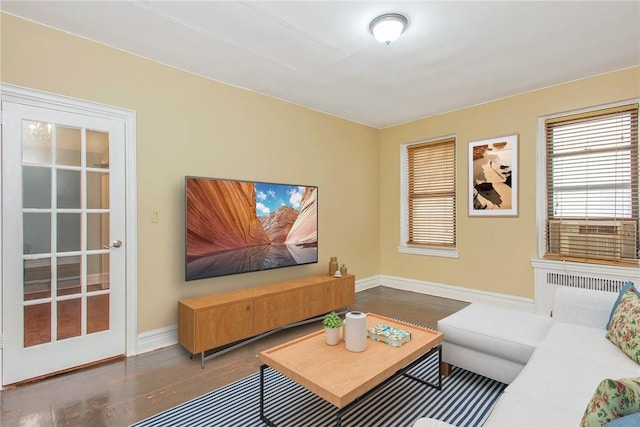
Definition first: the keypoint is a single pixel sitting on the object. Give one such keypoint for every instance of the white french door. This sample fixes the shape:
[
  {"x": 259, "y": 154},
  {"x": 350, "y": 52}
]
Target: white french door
[{"x": 63, "y": 234}]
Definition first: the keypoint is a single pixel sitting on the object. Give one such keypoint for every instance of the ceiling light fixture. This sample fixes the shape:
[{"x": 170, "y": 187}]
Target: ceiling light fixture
[{"x": 388, "y": 27}]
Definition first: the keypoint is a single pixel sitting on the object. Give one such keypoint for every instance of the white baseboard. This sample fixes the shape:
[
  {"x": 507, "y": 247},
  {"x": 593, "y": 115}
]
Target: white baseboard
[
  {"x": 157, "y": 338},
  {"x": 368, "y": 283},
  {"x": 164, "y": 337},
  {"x": 458, "y": 293}
]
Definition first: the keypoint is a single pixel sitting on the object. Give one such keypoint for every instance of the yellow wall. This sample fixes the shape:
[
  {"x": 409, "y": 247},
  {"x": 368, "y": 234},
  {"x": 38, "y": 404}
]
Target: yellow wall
[
  {"x": 495, "y": 252},
  {"x": 188, "y": 125}
]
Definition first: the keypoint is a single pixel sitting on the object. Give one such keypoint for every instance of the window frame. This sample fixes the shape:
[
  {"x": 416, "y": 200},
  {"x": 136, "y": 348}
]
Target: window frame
[
  {"x": 428, "y": 250},
  {"x": 541, "y": 183}
]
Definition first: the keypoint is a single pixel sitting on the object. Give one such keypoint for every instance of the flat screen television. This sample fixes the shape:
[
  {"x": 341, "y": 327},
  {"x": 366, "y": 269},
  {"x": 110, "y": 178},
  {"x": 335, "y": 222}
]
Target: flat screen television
[{"x": 235, "y": 226}]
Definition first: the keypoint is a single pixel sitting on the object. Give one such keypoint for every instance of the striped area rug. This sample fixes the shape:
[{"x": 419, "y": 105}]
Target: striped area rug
[{"x": 465, "y": 400}]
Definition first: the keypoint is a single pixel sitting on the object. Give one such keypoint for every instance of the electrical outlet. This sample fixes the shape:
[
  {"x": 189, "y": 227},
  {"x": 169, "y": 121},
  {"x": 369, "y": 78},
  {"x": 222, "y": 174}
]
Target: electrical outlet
[{"x": 155, "y": 216}]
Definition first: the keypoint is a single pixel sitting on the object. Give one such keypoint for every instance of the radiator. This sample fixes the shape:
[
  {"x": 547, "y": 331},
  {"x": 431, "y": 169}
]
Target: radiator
[
  {"x": 548, "y": 275},
  {"x": 583, "y": 281}
]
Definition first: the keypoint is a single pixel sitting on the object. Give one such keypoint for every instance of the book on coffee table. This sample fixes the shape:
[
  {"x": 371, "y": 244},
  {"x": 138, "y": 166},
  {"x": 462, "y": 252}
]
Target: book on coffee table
[{"x": 389, "y": 335}]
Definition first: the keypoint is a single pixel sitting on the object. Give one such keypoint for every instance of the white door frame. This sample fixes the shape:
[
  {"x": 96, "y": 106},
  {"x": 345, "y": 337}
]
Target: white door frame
[{"x": 47, "y": 100}]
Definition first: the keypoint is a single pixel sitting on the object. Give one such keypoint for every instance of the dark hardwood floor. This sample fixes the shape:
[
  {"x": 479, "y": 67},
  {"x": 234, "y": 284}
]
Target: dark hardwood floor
[{"x": 122, "y": 392}]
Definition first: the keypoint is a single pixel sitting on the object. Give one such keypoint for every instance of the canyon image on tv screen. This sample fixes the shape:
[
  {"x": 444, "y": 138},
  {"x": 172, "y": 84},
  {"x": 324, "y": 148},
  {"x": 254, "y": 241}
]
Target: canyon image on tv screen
[{"x": 235, "y": 226}]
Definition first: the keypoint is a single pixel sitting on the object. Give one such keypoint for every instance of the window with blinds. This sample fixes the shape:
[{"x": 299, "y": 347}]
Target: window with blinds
[
  {"x": 592, "y": 186},
  {"x": 431, "y": 193}
]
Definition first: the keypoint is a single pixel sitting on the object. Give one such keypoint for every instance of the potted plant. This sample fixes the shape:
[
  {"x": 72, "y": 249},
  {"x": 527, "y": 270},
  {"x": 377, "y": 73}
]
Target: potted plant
[{"x": 332, "y": 323}]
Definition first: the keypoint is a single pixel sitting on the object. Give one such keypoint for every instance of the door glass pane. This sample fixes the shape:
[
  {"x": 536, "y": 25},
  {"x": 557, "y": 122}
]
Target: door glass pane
[
  {"x": 97, "y": 230},
  {"x": 69, "y": 318},
  {"x": 98, "y": 313},
  {"x": 37, "y": 278},
  {"x": 97, "y": 149},
  {"x": 68, "y": 146},
  {"x": 69, "y": 270},
  {"x": 37, "y": 324},
  {"x": 36, "y": 187},
  {"x": 68, "y": 189},
  {"x": 97, "y": 190},
  {"x": 36, "y": 233},
  {"x": 68, "y": 232},
  {"x": 36, "y": 142},
  {"x": 97, "y": 272}
]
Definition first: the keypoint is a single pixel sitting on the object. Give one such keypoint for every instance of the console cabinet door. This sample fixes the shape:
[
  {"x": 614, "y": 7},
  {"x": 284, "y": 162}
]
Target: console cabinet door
[
  {"x": 220, "y": 325},
  {"x": 274, "y": 311},
  {"x": 312, "y": 302},
  {"x": 340, "y": 292}
]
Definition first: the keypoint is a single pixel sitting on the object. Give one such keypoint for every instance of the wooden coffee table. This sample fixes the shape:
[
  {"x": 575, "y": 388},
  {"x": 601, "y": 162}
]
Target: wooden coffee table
[{"x": 345, "y": 378}]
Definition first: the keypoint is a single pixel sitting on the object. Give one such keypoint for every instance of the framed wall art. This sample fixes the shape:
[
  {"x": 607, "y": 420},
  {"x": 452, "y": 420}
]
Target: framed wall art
[{"x": 493, "y": 176}]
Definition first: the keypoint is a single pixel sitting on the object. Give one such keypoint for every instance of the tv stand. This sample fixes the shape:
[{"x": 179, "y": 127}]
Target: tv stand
[{"x": 213, "y": 321}]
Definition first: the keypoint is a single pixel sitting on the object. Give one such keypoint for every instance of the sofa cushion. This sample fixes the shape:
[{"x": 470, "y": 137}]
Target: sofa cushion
[
  {"x": 572, "y": 341},
  {"x": 612, "y": 399},
  {"x": 530, "y": 410},
  {"x": 624, "y": 328},
  {"x": 570, "y": 305},
  {"x": 623, "y": 290},
  {"x": 500, "y": 332}
]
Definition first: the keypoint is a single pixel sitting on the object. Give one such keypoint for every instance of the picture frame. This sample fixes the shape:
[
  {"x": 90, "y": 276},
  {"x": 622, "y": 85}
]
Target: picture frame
[{"x": 493, "y": 176}]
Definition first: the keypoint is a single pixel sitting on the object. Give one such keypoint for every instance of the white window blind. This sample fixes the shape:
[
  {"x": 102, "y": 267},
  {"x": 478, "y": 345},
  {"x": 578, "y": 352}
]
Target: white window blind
[
  {"x": 431, "y": 184},
  {"x": 592, "y": 186}
]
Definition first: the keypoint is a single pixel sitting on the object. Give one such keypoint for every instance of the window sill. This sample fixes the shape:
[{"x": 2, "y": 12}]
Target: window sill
[
  {"x": 570, "y": 267},
  {"x": 430, "y": 251}
]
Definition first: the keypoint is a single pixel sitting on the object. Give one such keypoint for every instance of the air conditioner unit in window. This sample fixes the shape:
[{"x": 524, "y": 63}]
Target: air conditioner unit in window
[{"x": 613, "y": 240}]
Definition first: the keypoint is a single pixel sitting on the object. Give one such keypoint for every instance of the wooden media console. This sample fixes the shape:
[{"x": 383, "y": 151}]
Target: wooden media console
[{"x": 212, "y": 321}]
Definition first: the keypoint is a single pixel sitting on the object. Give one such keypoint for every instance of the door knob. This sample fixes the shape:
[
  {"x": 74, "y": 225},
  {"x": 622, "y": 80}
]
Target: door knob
[{"x": 114, "y": 244}]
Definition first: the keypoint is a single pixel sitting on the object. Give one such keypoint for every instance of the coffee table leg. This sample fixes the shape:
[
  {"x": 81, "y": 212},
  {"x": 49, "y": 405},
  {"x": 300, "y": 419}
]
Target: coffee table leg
[
  {"x": 349, "y": 407},
  {"x": 263, "y": 417},
  {"x": 422, "y": 358},
  {"x": 440, "y": 367}
]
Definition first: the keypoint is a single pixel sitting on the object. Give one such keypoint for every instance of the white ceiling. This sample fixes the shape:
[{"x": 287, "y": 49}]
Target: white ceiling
[{"x": 321, "y": 55}]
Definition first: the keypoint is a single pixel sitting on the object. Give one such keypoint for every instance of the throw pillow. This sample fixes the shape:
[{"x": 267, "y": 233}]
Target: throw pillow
[
  {"x": 632, "y": 420},
  {"x": 624, "y": 328},
  {"x": 612, "y": 399},
  {"x": 623, "y": 290}
]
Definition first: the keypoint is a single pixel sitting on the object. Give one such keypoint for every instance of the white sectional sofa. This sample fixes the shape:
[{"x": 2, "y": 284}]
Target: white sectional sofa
[
  {"x": 491, "y": 341},
  {"x": 552, "y": 365}
]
